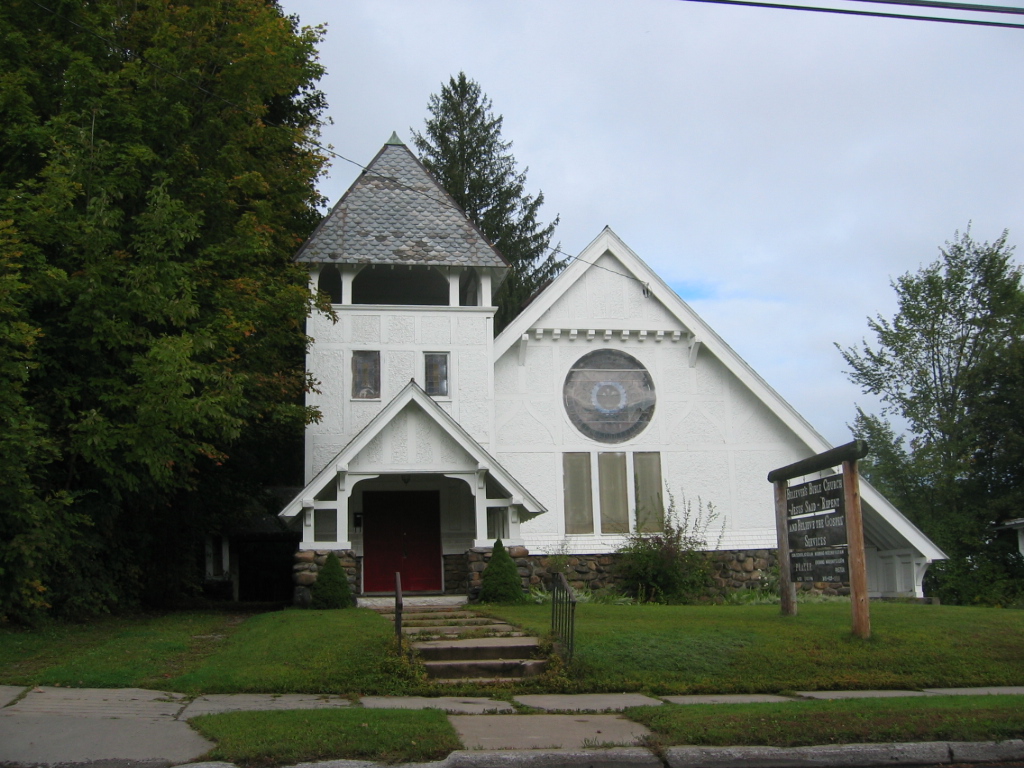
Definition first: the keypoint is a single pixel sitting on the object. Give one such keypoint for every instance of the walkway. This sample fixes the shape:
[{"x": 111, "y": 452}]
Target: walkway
[{"x": 51, "y": 726}]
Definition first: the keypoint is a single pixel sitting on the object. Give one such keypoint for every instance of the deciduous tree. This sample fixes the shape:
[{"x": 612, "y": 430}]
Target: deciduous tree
[
  {"x": 939, "y": 367},
  {"x": 157, "y": 173},
  {"x": 462, "y": 146}
]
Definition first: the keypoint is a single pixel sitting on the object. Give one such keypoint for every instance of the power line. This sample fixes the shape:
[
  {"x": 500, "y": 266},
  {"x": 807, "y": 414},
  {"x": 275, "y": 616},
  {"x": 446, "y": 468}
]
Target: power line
[
  {"x": 950, "y": 6},
  {"x": 848, "y": 12}
]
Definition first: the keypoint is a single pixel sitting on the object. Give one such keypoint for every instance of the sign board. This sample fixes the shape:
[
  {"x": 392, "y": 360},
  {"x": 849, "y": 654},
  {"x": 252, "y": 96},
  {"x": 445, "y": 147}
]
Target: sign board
[
  {"x": 815, "y": 531},
  {"x": 830, "y": 566},
  {"x": 820, "y": 495}
]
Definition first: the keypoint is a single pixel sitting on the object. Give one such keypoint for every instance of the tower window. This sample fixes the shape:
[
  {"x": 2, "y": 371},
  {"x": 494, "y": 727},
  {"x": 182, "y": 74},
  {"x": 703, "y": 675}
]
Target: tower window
[
  {"x": 436, "y": 373},
  {"x": 366, "y": 374}
]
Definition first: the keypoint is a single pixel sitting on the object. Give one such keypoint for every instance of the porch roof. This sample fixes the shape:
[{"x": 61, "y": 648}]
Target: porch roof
[{"x": 412, "y": 393}]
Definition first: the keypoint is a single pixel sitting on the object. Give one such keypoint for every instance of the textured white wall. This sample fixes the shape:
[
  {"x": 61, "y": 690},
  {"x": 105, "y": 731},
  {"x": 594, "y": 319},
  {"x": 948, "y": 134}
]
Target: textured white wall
[
  {"x": 402, "y": 335},
  {"x": 717, "y": 440}
]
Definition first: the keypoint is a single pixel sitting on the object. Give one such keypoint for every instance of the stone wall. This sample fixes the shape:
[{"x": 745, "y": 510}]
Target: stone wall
[
  {"x": 732, "y": 570},
  {"x": 308, "y": 563}
]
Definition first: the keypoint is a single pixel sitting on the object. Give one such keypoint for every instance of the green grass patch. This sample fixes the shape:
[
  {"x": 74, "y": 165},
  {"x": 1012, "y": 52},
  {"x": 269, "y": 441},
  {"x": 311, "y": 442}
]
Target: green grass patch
[
  {"x": 851, "y": 721},
  {"x": 133, "y": 651},
  {"x": 754, "y": 649},
  {"x": 257, "y": 739},
  {"x": 302, "y": 651}
]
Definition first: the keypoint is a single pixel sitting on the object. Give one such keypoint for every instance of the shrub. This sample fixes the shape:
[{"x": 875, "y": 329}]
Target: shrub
[
  {"x": 500, "y": 579},
  {"x": 670, "y": 566},
  {"x": 331, "y": 589}
]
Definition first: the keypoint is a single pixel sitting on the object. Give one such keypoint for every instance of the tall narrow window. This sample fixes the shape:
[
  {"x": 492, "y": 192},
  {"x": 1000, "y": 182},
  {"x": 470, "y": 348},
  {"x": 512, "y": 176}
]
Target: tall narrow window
[
  {"x": 611, "y": 479},
  {"x": 497, "y": 523},
  {"x": 366, "y": 374},
  {"x": 436, "y": 373},
  {"x": 650, "y": 506},
  {"x": 325, "y": 525},
  {"x": 579, "y": 501}
]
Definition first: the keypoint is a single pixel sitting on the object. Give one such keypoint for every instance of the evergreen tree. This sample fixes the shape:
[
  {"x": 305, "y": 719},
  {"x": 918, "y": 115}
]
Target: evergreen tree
[
  {"x": 946, "y": 366},
  {"x": 331, "y": 588},
  {"x": 156, "y": 177},
  {"x": 462, "y": 146},
  {"x": 500, "y": 581}
]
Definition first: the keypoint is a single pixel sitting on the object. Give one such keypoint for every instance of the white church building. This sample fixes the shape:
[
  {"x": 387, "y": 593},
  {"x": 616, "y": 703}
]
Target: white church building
[{"x": 607, "y": 396}]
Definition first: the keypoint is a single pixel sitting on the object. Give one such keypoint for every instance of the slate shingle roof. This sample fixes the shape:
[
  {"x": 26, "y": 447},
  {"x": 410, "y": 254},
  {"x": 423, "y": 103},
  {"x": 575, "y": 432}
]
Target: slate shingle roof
[{"x": 396, "y": 213}]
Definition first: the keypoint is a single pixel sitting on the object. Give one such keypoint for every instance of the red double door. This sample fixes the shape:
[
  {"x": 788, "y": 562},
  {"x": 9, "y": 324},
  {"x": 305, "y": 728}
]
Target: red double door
[{"x": 402, "y": 533}]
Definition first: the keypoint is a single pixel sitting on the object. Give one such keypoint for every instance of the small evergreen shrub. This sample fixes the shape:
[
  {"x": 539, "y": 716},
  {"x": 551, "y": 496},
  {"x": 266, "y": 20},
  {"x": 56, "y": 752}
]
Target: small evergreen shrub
[
  {"x": 670, "y": 566},
  {"x": 500, "y": 579},
  {"x": 331, "y": 589}
]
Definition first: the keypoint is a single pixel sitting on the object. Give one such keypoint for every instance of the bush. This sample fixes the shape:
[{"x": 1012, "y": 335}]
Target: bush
[
  {"x": 331, "y": 589},
  {"x": 670, "y": 566},
  {"x": 500, "y": 579}
]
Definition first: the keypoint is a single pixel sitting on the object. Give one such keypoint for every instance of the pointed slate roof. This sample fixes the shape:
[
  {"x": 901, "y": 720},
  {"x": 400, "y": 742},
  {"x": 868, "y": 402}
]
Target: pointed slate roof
[{"x": 397, "y": 213}]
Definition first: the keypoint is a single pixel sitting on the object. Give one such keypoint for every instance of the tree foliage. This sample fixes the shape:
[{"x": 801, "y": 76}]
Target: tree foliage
[
  {"x": 462, "y": 146},
  {"x": 331, "y": 588},
  {"x": 156, "y": 178},
  {"x": 946, "y": 365},
  {"x": 500, "y": 580}
]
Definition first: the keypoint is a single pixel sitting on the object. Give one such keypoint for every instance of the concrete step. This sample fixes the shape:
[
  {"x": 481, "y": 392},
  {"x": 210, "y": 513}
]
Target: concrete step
[
  {"x": 478, "y": 648},
  {"x": 492, "y": 629},
  {"x": 476, "y": 621},
  {"x": 390, "y": 609},
  {"x": 485, "y": 668},
  {"x": 433, "y": 615}
]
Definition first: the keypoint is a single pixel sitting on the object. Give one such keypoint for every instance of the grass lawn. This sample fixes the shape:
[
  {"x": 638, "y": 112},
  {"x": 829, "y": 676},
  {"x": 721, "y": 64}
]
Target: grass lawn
[
  {"x": 289, "y": 737},
  {"x": 859, "y": 721},
  {"x": 748, "y": 649},
  {"x": 288, "y": 651},
  {"x": 652, "y": 648}
]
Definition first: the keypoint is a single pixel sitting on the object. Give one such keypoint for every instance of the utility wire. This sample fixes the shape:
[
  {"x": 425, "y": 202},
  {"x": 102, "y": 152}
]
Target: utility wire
[
  {"x": 950, "y": 6},
  {"x": 848, "y": 12}
]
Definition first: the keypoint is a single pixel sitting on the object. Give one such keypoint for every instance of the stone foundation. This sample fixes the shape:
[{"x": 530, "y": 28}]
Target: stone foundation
[
  {"x": 732, "y": 570},
  {"x": 308, "y": 563}
]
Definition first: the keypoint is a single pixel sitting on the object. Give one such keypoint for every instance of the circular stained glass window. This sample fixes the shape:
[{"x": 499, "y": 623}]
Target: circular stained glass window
[{"x": 609, "y": 396}]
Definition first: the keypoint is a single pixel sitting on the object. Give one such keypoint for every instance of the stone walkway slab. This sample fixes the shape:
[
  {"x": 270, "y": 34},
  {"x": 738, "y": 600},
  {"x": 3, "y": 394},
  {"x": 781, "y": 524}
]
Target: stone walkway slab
[
  {"x": 992, "y": 690},
  {"x": 545, "y": 731},
  {"x": 9, "y": 693},
  {"x": 457, "y": 705},
  {"x": 833, "y": 695},
  {"x": 733, "y": 698},
  {"x": 132, "y": 703},
  {"x": 51, "y": 739},
  {"x": 586, "y": 702},
  {"x": 256, "y": 702}
]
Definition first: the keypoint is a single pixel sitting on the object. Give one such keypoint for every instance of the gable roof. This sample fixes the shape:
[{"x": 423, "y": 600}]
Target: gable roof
[
  {"x": 885, "y": 521},
  {"x": 397, "y": 213},
  {"x": 412, "y": 393}
]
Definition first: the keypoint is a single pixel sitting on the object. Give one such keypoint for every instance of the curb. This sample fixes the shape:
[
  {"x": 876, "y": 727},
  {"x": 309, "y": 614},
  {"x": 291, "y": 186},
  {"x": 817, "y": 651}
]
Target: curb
[
  {"x": 848, "y": 755},
  {"x": 827, "y": 756}
]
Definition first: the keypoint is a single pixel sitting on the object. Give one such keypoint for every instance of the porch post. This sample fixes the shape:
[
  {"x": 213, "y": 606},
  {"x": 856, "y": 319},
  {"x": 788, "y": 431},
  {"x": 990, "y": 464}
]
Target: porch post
[
  {"x": 343, "y": 494},
  {"x": 480, "y": 497}
]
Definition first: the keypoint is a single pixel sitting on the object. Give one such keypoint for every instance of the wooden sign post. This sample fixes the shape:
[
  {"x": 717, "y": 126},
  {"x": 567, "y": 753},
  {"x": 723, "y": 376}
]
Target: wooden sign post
[{"x": 821, "y": 531}]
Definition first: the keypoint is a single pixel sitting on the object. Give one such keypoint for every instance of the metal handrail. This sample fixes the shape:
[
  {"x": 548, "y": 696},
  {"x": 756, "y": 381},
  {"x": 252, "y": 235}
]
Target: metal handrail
[
  {"x": 398, "y": 608},
  {"x": 563, "y": 616}
]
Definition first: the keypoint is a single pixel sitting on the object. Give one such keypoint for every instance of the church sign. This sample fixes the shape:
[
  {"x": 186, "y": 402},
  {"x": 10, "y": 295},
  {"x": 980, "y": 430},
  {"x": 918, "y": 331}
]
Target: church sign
[
  {"x": 815, "y": 531},
  {"x": 821, "y": 530},
  {"x": 830, "y": 566}
]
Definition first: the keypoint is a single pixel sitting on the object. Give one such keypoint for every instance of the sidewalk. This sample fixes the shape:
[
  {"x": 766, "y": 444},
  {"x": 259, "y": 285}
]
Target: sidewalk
[{"x": 132, "y": 726}]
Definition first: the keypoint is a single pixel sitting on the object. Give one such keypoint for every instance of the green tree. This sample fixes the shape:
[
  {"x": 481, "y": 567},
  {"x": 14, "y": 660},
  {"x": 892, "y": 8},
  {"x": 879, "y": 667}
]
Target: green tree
[
  {"x": 936, "y": 365},
  {"x": 462, "y": 146},
  {"x": 158, "y": 174},
  {"x": 500, "y": 580},
  {"x": 331, "y": 588}
]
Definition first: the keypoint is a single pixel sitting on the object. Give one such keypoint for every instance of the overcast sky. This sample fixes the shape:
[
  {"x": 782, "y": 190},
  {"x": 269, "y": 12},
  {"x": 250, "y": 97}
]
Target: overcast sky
[{"x": 777, "y": 168}]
